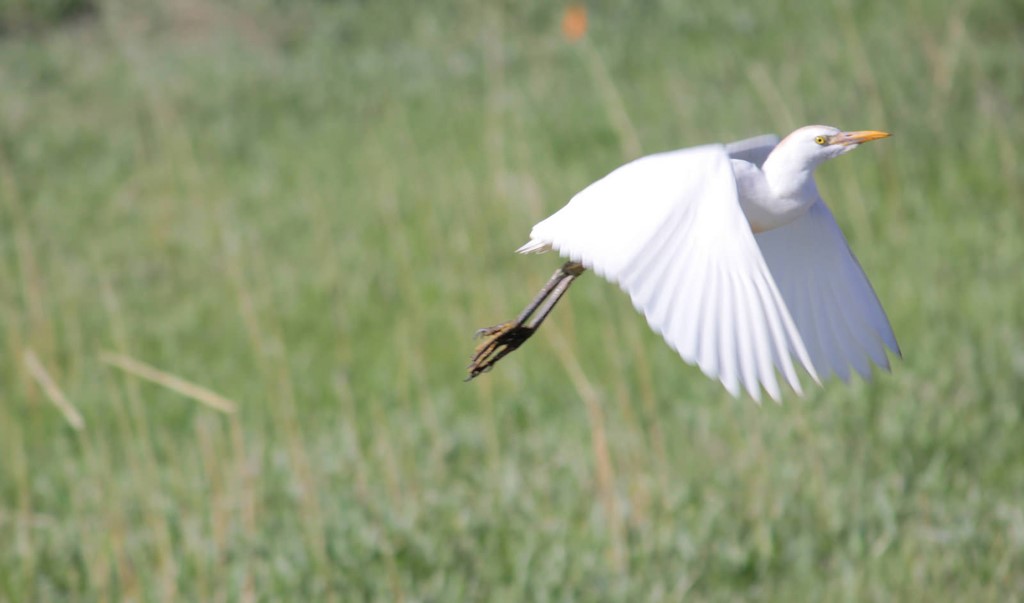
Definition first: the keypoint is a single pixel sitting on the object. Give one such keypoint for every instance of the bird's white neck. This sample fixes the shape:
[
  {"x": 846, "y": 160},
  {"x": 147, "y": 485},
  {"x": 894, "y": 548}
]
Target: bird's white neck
[
  {"x": 791, "y": 177},
  {"x": 780, "y": 192}
]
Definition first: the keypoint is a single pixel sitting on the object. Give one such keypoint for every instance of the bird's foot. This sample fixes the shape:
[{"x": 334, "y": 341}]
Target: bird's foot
[
  {"x": 489, "y": 331},
  {"x": 501, "y": 340}
]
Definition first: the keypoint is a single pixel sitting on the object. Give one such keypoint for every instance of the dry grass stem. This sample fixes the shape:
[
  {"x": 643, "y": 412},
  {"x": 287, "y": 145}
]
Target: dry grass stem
[
  {"x": 53, "y": 391},
  {"x": 172, "y": 382}
]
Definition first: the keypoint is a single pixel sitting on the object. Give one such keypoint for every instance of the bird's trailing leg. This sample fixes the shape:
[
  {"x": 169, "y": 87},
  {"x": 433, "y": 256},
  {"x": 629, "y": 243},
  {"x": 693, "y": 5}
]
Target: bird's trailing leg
[{"x": 505, "y": 338}]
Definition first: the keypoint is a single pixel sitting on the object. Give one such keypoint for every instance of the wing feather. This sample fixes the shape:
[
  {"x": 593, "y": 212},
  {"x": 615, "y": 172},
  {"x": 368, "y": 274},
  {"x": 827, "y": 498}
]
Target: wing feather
[
  {"x": 727, "y": 344},
  {"x": 684, "y": 335},
  {"x": 748, "y": 348},
  {"x": 707, "y": 354},
  {"x": 854, "y": 330},
  {"x": 826, "y": 329},
  {"x": 784, "y": 335},
  {"x": 854, "y": 354},
  {"x": 758, "y": 343}
]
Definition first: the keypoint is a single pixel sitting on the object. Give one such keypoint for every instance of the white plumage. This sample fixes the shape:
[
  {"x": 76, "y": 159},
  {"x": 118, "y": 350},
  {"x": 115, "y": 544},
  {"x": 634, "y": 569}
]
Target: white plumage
[{"x": 677, "y": 230}]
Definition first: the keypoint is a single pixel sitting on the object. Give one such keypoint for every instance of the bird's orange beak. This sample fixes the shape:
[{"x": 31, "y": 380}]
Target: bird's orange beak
[{"x": 859, "y": 136}]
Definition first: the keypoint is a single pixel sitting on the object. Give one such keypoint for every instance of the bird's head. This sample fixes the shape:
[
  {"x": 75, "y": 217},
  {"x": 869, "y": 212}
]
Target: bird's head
[{"x": 813, "y": 144}]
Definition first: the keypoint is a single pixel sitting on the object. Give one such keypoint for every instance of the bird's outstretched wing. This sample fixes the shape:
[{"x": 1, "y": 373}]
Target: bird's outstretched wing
[
  {"x": 669, "y": 229},
  {"x": 755, "y": 150},
  {"x": 840, "y": 319}
]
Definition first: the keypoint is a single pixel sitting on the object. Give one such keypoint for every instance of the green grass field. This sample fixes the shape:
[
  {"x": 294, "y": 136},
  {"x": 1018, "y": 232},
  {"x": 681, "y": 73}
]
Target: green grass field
[{"x": 308, "y": 208}]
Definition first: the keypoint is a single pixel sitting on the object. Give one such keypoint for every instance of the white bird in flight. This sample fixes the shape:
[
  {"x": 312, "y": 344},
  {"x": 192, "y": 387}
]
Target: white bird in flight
[{"x": 732, "y": 256}]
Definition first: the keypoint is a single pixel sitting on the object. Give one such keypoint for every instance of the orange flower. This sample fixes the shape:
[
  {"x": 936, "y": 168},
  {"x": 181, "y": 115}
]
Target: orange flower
[{"x": 574, "y": 22}]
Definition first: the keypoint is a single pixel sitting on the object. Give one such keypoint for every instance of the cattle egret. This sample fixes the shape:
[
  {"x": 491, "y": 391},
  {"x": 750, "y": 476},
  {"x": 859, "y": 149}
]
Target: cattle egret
[{"x": 730, "y": 254}]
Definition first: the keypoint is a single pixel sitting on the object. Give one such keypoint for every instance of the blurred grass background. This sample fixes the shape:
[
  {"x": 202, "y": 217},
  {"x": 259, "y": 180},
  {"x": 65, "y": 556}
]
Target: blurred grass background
[{"x": 309, "y": 207}]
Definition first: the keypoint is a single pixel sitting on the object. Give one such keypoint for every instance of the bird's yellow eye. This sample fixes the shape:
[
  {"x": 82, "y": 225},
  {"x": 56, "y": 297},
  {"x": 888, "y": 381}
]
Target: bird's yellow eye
[{"x": 820, "y": 140}]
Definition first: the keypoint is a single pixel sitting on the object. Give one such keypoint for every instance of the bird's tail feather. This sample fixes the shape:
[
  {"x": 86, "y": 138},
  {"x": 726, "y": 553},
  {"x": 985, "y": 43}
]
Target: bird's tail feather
[{"x": 534, "y": 246}]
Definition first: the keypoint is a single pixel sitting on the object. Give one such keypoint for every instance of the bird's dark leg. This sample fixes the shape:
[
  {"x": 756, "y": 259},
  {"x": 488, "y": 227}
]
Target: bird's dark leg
[
  {"x": 505, "y": 338},
  {"x": 543, "y": 294}
]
